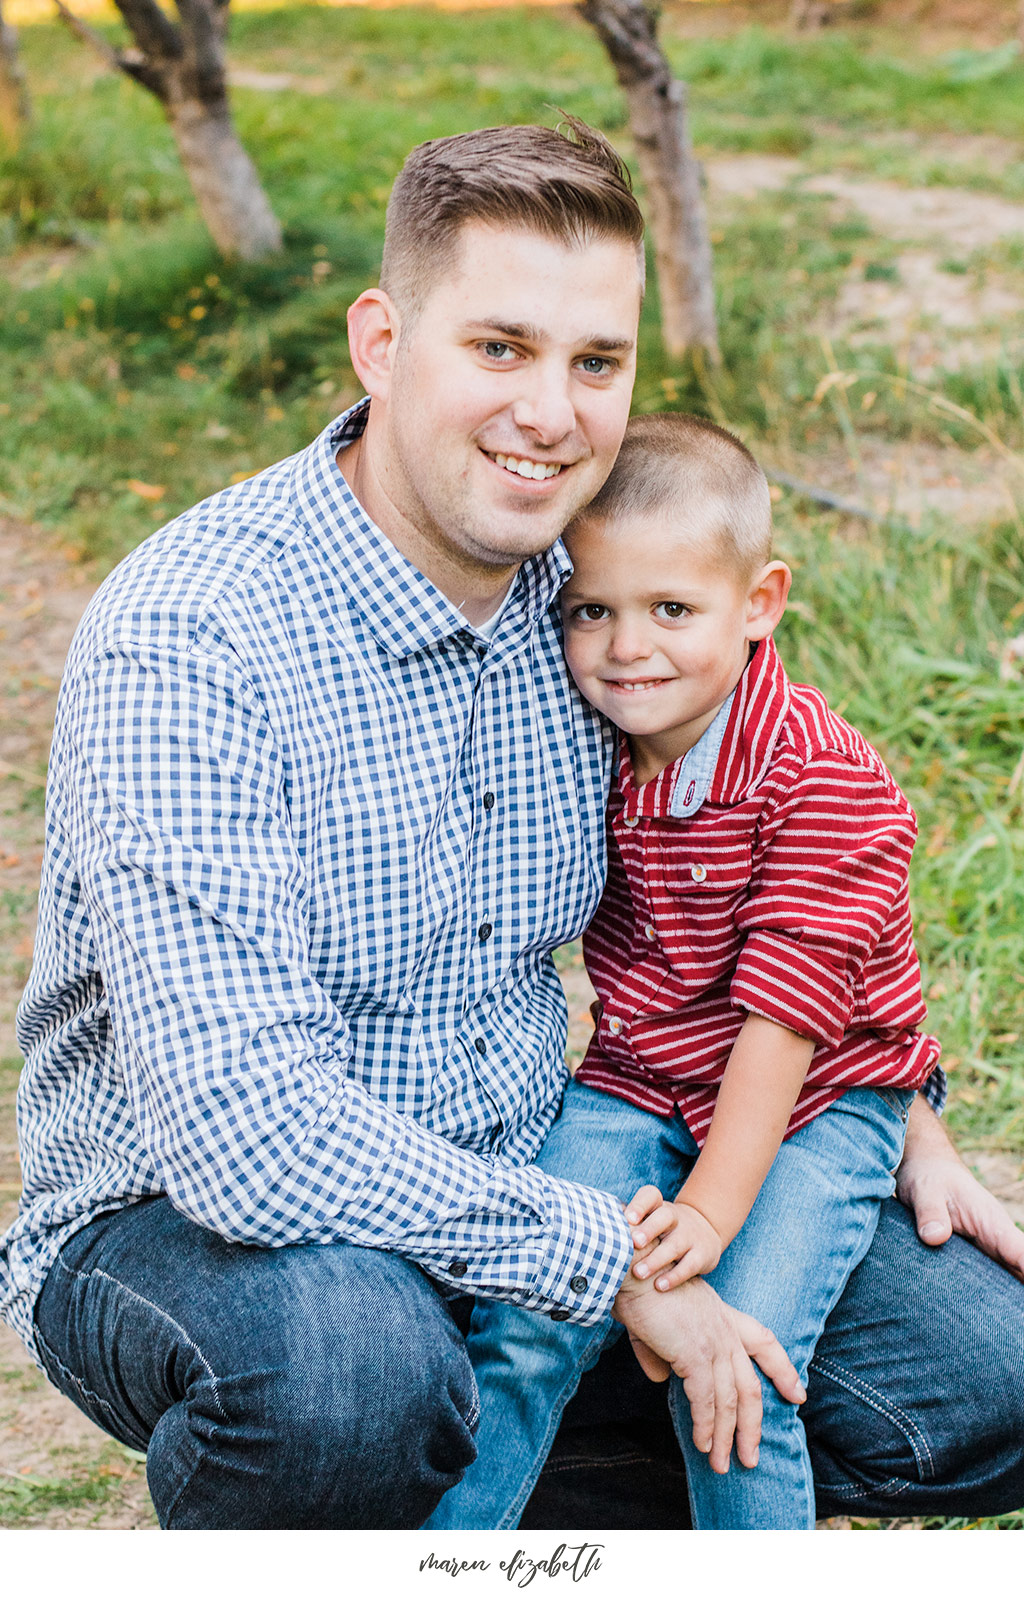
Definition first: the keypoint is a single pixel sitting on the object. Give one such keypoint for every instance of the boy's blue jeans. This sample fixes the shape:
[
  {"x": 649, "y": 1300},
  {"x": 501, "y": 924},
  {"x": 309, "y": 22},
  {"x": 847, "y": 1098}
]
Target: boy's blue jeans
[{"x": 809, "y": 1227}]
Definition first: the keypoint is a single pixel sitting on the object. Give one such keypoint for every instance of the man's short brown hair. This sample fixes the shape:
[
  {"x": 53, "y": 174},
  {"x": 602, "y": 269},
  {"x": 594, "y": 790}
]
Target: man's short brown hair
[
  {"x": 566, "y": 184},
  {"x": 686, "y": 466}
]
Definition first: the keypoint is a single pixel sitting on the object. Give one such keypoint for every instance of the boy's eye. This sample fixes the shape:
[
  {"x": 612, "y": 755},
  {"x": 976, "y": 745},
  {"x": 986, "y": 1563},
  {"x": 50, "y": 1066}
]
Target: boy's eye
[
  {"x": 672, "y": 609},
  {"x": 590, "y": 613}
]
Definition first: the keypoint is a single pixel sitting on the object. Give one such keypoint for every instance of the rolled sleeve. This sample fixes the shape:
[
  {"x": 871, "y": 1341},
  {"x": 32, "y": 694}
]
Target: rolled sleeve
[{"x": 832, "y": 862}]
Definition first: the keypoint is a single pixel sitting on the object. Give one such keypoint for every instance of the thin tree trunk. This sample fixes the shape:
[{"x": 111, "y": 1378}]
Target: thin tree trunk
[
  {"x": 671, "y": 175},
  {"x": 183, "y": 65},
  {"x": 227, "y": 189},
  {"x": 15, "y": 108}
]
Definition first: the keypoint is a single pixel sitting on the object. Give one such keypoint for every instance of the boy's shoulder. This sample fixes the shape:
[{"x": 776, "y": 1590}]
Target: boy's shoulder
[{"x": 813, "y": 735}]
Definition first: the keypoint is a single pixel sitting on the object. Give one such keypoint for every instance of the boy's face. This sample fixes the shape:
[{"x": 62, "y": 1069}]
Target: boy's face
[{"x": 657, "y": 631}]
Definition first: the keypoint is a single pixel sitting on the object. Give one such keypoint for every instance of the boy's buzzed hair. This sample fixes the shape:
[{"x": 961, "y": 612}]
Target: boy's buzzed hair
[
  {"x": 671, "y": 461},
  {"x": 566, "y": 183}
]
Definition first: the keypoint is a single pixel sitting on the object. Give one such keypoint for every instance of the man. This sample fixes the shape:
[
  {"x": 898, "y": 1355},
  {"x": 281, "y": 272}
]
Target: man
[{"x": 322, "y": 803}]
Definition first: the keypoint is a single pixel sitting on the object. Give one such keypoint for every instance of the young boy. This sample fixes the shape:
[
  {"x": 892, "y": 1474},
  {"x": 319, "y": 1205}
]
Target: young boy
[{"x": 759, "y": 990}]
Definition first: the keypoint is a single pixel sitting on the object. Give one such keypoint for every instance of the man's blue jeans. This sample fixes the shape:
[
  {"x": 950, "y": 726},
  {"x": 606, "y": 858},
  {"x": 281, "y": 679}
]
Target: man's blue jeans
[
  {"x": 811, "y": 1224},
  {"x": 323, "y": 1386}
]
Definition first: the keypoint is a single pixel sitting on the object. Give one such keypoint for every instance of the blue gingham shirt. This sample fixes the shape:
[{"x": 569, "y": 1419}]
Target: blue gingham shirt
[{"x": 311, "y": 839}]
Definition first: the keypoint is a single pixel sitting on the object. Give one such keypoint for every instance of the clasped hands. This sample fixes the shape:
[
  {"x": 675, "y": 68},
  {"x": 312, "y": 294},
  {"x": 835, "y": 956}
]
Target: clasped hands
[{"x": 677, "y": 1323}]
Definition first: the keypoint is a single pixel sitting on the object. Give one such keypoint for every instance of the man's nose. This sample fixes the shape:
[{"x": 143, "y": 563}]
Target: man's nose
[{"x": 545, "y": 406}]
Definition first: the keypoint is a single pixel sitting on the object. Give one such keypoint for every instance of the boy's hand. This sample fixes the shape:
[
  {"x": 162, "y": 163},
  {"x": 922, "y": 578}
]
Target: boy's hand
[{"x": 687, "y": 1244}]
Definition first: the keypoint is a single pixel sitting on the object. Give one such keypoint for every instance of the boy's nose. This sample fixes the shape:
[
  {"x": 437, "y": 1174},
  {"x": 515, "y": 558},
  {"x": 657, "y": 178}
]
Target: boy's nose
[{"x": 628, "y": 643}]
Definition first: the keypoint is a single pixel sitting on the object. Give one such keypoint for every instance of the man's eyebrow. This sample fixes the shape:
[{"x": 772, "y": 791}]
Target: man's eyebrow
[{"x": 528, "y": 333}]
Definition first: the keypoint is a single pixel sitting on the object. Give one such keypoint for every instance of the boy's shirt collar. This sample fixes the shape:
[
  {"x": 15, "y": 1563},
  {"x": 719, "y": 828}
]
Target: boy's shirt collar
[{"x": 731, "y": 757}]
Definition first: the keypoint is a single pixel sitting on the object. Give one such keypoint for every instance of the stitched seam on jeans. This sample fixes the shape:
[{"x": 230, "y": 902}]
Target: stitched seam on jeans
[
  {"x": 74, "y": 1381},
  {"x": 878, "y": 1402},
  {"x": 845, "y": 1491},
  {"x": 583, "y": 1364},
  {"x": 97, "y": 1272}
]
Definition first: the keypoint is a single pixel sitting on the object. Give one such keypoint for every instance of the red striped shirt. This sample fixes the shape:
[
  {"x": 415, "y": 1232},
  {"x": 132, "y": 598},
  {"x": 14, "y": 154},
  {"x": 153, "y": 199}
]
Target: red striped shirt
[{"x": 784, "y": 894}]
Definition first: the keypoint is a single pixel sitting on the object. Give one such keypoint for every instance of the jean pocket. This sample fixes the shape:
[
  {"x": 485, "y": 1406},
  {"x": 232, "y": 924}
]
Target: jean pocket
[{"x": 898, "y": 1100}]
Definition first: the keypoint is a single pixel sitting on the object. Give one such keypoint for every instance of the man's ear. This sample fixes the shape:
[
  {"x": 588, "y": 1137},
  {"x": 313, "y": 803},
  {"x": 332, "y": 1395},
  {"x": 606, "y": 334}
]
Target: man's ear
[
  {"x": 373, "y": 325},
  {"x": 766, "y": 601}
]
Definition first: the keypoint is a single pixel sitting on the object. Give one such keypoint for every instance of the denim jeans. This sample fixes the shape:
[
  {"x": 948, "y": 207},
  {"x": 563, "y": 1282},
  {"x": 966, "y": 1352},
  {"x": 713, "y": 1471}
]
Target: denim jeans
[
  {"x": 315, "y": 1386},
  {"x": 810, "y": 1225},
  {"x": 322, "y": 1386}
]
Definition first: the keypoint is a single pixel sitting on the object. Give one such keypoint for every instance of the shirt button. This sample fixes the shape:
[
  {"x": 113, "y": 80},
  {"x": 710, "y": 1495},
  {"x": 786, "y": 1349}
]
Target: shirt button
[
  {"x": 485, "y": 930},
  {"x": 650, "y": 931},
  {"x": 631, "y": 822},
  {"x": 559, "y": 1316},
  {"x": 478, "y": 1044},
  {"x": 615, "y": 1025},
  {"x": 488, "y": 800},
  {"x": 579, "y": 1283},
  {"x": 458, "y": 1269},
  {"x": 698, "y": 873}
]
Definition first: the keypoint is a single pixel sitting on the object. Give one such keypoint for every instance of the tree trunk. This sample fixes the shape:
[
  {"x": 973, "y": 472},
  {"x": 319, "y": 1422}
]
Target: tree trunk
[
  {"x": 670, "y": 173},
  {"x": 183, "y": 65},
  {"x": 15, "y": 109},
  {"x": 224, "y": 181}
]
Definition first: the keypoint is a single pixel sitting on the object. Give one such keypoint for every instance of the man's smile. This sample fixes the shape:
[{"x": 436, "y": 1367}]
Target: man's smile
[{"x": 523, "y": 467}]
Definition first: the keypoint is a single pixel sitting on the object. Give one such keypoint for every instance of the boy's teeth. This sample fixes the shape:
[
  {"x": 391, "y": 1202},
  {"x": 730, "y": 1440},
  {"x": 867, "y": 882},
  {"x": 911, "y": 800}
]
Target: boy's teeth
[{"x": 528, "y": 469}]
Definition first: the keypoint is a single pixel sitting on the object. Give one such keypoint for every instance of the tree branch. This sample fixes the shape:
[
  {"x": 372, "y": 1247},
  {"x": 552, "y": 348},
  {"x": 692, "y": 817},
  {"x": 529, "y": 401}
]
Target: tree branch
[
  {"x": 89, "y": 36},
  {"x": 153, "y": 31}
]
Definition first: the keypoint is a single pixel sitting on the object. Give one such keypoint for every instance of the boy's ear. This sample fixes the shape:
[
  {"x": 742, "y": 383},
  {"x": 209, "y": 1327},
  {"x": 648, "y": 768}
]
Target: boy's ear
[
  {"x": 766, "y": 601},
  {"x": 373, "y": 326}
]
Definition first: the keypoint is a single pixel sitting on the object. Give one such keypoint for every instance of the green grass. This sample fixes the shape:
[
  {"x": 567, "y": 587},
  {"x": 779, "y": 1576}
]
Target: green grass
[
  {"x": 32, "y": 1499},
  {"x": 130, "y": 353},
  {"x": 136, "y": 356}
]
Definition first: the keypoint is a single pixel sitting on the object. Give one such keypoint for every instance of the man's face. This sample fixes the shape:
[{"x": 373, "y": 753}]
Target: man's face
[{"x": 509, "y": 393}]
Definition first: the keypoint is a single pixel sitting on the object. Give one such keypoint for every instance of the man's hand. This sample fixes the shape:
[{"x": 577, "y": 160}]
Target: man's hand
[
  {"x": 709, "y": 1344},
  {"x": 946, "y": 1197},
  {"x": 689, "y": 1244}
]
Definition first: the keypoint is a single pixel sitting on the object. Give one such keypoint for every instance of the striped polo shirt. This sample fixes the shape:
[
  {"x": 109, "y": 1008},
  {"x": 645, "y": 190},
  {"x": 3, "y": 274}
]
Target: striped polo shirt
[{"x": 775, "y": 882}]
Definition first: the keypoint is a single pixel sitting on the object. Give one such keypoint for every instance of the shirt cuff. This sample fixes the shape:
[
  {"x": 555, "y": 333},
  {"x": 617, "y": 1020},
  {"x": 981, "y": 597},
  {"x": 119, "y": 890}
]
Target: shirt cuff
[
  {"x": 935, "y": 1089},
  {"x": 780, "y": 978},
  {"x": 569, "y": 1265}
]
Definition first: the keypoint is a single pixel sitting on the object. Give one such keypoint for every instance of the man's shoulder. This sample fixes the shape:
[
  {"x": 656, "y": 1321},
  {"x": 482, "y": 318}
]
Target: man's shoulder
[{"x": 198, "y": 567}]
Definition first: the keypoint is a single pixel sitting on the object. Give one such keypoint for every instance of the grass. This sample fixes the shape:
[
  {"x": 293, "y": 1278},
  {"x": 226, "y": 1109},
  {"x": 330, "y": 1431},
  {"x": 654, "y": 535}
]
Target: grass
[
  {"x": 148, "y": 373},
  {"x": 76, "y": 1497},
  {"x": 139, "y": 373}
]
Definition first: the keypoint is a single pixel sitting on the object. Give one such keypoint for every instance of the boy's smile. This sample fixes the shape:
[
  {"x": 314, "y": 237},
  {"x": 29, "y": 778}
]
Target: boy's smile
[{"x": 658, "y": 630}]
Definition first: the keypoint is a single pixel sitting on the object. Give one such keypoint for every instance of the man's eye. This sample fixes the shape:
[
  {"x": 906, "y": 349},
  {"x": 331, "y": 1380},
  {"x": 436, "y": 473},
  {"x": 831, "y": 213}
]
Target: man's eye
[
  {"x": 596, "y": 366},
  {"x": 673, "y": 609},
  {"x": 495, "y": 350}
]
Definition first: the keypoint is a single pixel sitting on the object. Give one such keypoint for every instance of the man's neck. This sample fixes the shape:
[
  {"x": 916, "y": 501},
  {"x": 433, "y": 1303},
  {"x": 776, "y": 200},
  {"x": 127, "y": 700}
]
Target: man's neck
[{"x": 475, "y": 589}]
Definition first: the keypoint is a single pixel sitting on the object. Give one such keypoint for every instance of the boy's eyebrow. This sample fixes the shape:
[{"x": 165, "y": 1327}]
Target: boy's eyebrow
[{"x": 529, "y": 333}]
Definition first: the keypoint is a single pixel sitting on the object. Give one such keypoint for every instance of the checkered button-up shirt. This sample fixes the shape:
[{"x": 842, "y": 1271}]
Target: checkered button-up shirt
[{"x": 311, "y": 840}]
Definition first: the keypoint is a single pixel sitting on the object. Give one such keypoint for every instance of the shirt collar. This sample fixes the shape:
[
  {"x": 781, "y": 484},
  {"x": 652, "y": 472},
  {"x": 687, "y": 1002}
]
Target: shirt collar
[
  {"x": 405, "y": 611},
  {"x": 759, "y": 709},
  {"x": 732, "y": 755}
]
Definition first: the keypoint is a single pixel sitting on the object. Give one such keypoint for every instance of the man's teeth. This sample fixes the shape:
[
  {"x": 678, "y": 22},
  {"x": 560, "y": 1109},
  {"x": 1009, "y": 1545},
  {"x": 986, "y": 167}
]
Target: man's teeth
[{"x": 529, "y": 469}]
